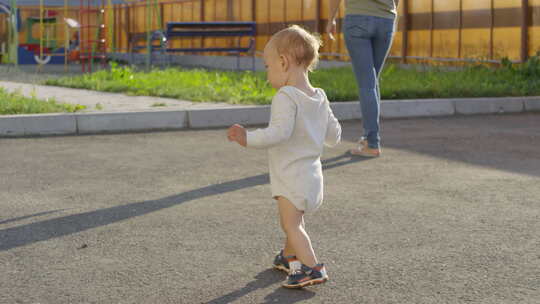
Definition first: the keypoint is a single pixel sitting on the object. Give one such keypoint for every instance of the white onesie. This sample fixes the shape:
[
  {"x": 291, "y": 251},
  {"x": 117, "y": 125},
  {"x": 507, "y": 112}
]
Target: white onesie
[{"x": 299, "y": 127}]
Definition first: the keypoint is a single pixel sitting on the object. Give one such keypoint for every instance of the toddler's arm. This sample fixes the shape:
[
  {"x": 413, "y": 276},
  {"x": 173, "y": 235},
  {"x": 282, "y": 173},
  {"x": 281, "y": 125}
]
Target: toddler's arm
[
  {"x": 333, "y": 130},
  {"x": 282, "y": 118}
]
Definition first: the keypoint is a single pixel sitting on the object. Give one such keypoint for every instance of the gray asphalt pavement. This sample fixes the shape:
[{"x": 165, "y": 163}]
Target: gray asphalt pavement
[{"x": 449, "y": 214}]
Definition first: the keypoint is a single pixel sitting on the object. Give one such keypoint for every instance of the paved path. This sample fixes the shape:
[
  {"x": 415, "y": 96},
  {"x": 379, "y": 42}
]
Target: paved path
[
  {"x": 106, "y": 102},
  {"x": 449, "y": 214}
]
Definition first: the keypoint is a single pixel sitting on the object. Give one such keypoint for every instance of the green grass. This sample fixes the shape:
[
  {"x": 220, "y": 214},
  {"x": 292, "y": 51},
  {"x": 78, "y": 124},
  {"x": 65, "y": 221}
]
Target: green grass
[
  {"x": 473, "y": 81},
  {"x": 16, "y": 103},
  {"x": 193, "y": 85},
  {"x": 339, "y": 83}
]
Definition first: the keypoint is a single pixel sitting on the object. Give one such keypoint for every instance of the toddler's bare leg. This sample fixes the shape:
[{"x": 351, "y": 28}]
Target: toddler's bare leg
[
  {"x": 292, "y": 221},
  {"x": 288, "y": 249}
]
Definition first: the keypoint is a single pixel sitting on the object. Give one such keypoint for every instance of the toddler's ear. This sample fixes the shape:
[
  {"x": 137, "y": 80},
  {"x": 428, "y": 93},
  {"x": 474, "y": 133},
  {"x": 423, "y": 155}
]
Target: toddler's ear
[{"x": 284, "y": 60}]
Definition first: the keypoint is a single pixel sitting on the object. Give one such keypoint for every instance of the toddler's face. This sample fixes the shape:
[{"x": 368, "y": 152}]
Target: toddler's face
[{"x": 276, "y": 71}]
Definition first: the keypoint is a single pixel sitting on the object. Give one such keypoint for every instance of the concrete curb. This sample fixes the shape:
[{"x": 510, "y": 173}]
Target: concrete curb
[
  {"x": 223, "y": 117},
  {"x": 41, "y": 124},
  {"x": 417, "y": 108},
  {"x": 89, "y": 123},
  {"x": 99, "y": 122}
]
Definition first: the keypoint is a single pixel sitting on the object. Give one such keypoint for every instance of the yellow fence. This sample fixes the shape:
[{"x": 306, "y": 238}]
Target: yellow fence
[
  {"x": 449, "y": 30},
  {"x": 476, "y": 29}
]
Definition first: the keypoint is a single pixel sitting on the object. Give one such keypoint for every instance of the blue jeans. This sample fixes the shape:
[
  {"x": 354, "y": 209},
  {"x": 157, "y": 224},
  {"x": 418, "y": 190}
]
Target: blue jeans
[{"x": 368, "y": 39}]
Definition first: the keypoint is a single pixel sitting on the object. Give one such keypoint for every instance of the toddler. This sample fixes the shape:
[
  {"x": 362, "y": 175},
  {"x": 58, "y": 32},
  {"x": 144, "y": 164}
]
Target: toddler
[{"x": 301, "y": 123}]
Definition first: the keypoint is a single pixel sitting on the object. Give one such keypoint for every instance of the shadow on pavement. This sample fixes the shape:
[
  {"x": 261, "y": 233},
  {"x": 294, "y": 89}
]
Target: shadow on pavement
[
  {"x": 509, "y": 142},
  {"x": 263, "y": 280},
  {"x": 20, "y": 218},
  {"x": 47, "y": 229},
  {"x": 288, "y": 296}
]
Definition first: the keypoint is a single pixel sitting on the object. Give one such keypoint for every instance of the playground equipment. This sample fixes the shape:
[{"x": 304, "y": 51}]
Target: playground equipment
[
  {"x": 93, "y": 41},
  {"x": 46, "y": 32},
  {"x": 9, "y": 43},
  {"x": 86, "y": 31},
  {"x": 150, "y": 35},
  {"x": 47, "y": 45}
]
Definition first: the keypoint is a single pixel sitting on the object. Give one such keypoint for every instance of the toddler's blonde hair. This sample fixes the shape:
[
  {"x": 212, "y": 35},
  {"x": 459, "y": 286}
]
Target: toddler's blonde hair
[{"x": 299, "y": 44}]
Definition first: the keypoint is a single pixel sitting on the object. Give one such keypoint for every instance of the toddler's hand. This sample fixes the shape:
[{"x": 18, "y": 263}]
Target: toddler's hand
[{"x": 237, "y": 133}]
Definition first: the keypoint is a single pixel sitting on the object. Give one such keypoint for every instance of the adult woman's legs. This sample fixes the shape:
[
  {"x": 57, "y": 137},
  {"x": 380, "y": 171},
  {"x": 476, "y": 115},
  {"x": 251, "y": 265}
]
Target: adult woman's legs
[
  {"x": 358, "y": 40},
  {"x": 368, "y": 49},
  {"x": 382, "y": 42}
]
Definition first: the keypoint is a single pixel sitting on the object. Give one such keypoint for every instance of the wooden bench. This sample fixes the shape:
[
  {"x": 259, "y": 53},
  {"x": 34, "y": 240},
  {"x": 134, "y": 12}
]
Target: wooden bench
[{"x": 234, "y": 29}]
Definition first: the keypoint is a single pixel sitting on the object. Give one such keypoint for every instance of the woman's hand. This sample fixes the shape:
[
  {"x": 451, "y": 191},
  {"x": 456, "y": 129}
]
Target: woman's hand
[
  {"x": 237, "y": 133},
  {"x": 331, "y": 28}
]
